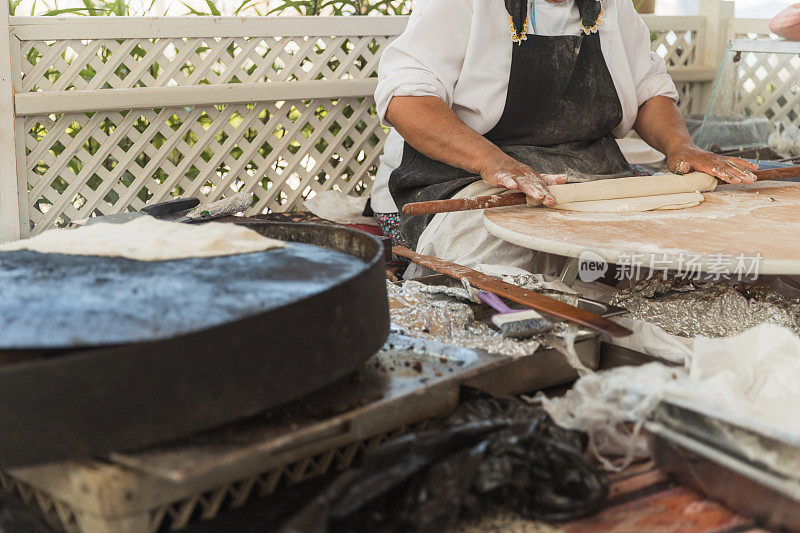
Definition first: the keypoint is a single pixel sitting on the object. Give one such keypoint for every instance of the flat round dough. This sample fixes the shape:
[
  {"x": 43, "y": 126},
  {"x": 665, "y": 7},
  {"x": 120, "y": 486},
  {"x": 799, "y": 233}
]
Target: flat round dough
[
  {"x": 148, "y": 239},
  {"x": 643, "y": 203}
]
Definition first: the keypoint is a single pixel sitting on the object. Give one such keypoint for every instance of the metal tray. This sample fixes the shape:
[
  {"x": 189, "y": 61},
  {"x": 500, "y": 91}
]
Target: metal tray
[
  {"x": 739, "y": 435},
  {"x": 769, "y": 499},
  {"x": 750, "y": 469}
]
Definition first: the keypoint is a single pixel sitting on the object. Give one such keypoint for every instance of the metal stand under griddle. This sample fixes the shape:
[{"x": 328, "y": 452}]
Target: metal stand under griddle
[
  {"x": 80, "y": 402},
  {"x": 198, "y": 478}
]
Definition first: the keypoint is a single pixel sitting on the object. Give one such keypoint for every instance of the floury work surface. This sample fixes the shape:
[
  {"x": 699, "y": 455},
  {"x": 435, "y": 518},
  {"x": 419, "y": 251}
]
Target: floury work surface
[{"x": 732, "y": 222}]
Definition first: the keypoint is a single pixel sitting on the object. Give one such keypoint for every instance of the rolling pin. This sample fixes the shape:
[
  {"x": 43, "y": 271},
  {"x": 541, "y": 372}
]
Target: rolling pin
[
  {"x": 528, "y": 298},
  {"x": 572, "y": 193}
]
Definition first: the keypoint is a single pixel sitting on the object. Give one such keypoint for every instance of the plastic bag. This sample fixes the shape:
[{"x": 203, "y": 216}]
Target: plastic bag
[{"x": 489, "y": 451}]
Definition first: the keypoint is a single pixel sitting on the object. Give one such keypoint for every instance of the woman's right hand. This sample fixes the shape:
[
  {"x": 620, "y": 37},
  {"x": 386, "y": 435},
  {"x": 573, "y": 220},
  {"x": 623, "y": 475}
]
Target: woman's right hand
[{"x": 501, "y": 170}]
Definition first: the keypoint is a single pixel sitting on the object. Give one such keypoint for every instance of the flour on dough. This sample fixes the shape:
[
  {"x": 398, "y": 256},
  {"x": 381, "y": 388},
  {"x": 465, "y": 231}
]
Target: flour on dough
[
  {"x": 642, "y": 203},
  {"x": 148, "y": 239}
]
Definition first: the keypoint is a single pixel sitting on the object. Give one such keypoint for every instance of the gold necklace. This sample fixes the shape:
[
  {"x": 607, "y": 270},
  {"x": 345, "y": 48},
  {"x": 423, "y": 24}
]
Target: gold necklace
[
  {"x": 523, "y": 35},
  {"x": 597, "y": 23},
  {"x": 516, "y": 37}
]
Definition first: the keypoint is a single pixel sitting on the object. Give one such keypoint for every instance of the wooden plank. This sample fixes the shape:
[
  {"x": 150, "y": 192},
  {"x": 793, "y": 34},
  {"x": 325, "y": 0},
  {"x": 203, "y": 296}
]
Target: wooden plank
[
  {"x": 22, "y": 179},
  {"x": 765, "y": 46},
  {"x": 676, "y": 23},
  {"x": 50, "y": 28},
  {"x": 19, "y": 135},
  {"x": 754, "y": 26},
  {"x": 758, "y": 219},
  {"x": 41, "y": 103},
  {"x": 684, "y": 74},
  {"x": 10, "y": 213}
]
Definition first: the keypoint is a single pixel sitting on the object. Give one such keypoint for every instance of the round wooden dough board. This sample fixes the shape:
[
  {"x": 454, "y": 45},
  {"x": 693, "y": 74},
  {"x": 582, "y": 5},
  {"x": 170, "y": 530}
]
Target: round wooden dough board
[{"x": 762, "y": 218}]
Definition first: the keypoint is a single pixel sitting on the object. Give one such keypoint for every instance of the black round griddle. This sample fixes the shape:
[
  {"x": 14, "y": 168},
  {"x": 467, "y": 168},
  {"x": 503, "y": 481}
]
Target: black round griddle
[
  {"x": 54, "y": 301},
  {"x": 111, "y": 354}
]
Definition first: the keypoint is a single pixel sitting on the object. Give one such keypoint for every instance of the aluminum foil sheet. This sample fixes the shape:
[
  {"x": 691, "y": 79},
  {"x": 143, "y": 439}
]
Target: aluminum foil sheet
[
  {"x": 691, "y": 308},
  {"x": 447, "y": 314},
  {"x": 535, "y": 282}
]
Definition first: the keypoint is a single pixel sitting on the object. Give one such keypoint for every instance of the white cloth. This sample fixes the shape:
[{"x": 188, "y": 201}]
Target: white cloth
[
  {"x": 339, "y": 207},
  {"x": 460, "y": 51},
  {"x": 748, "y": 379},
  {"x": 654, "y": 341},
  {"x": 461, "y": 238}
]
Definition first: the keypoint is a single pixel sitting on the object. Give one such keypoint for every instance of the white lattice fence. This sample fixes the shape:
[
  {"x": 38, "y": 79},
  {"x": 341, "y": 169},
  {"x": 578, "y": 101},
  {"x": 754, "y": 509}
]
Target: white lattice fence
[
  {"x": 281, "y": 151},
  {"x": 680, "y": 41},
  {"x": 116, "y": 113},
  {"x": 113, "y": 113},
  {"x": 765, "y": 84}
]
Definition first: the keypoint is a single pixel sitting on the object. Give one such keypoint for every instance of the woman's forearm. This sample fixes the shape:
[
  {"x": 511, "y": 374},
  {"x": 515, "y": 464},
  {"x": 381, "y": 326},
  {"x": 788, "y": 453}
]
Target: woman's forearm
[
  {"x": 430, "y": 126},
  {"x": 661, "y": 125}
]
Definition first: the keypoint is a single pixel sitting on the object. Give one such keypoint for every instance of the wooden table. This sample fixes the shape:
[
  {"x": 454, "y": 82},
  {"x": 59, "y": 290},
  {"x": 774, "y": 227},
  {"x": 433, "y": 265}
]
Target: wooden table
[
  {"x": 640, "y": 498},
  {"x": 735, "y": 223}
]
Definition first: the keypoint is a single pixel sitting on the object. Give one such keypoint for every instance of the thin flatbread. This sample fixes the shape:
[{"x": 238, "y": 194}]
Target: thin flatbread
[
  {"x": 148, "y": 239},
  {"x": 642, "y": 203}
]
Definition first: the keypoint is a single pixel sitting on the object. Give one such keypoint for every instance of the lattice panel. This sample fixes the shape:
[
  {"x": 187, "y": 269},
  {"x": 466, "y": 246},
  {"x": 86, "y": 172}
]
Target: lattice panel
[
  {"x": 207, "y": 505},
  {"x": 83, "y": 164},
  {"x": 754, "y": 35},
  {"x": 678, "y": 47},
  {"x": 116, "y": 64},
  {"x": 110, "y": 162},
  {"x": 56, "y": 513},
  {"x": 688, "y": 92},
  {"x": 766, "y": 85}
]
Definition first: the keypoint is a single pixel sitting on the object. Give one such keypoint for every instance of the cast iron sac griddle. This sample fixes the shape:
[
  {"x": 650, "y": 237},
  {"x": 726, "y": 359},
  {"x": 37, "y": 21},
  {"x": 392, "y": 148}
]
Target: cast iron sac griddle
[
  {"x": 188, "y": 344},
  {"x": 54, "y": 301}
]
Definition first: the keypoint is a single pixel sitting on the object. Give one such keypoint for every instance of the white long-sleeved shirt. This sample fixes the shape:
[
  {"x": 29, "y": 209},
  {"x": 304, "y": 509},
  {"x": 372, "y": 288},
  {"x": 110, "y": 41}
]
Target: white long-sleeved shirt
[{"x": 460, "y": 51}]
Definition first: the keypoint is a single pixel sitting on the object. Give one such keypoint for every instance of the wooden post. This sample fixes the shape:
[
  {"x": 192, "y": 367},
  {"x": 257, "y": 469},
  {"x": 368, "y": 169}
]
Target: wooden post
[
  {"x": 10, "y": 211},
  {"x": 718, "y": 14}
]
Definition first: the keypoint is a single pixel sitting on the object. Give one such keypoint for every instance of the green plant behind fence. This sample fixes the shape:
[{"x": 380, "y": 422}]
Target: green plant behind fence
[{"x": 97, "y": 8}]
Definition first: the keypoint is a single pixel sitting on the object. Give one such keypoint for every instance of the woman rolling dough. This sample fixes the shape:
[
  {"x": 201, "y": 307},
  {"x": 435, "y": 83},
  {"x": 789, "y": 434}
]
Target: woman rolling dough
[{"x": 486, "y": 96}]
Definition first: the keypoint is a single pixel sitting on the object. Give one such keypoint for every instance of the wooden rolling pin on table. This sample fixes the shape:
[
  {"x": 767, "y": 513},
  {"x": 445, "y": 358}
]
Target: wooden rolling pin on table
[{"x": 518, "y": 198}]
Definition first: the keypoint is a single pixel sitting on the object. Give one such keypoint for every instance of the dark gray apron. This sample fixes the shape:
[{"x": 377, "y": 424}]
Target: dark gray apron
[{"x": 560, "y": 109}]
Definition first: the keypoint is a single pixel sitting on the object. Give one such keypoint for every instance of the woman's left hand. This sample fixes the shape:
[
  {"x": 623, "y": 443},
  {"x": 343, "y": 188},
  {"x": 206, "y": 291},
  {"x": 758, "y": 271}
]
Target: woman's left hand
[{"x": 728, "y": 169}]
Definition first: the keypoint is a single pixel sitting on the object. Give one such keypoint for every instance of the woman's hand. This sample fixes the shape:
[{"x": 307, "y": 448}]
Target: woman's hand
[
  {"x": 501, "y": 170},
  {"x": 429, "y": 125},
  {"x": 729, "y": 169}
]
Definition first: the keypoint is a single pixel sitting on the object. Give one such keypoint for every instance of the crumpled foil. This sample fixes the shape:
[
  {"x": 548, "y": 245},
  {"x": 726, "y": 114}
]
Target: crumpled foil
[
  {"x": 691, "y": 308},
  {"x": 446, "y": 314},
  {"x": 537, "y": 283}
]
